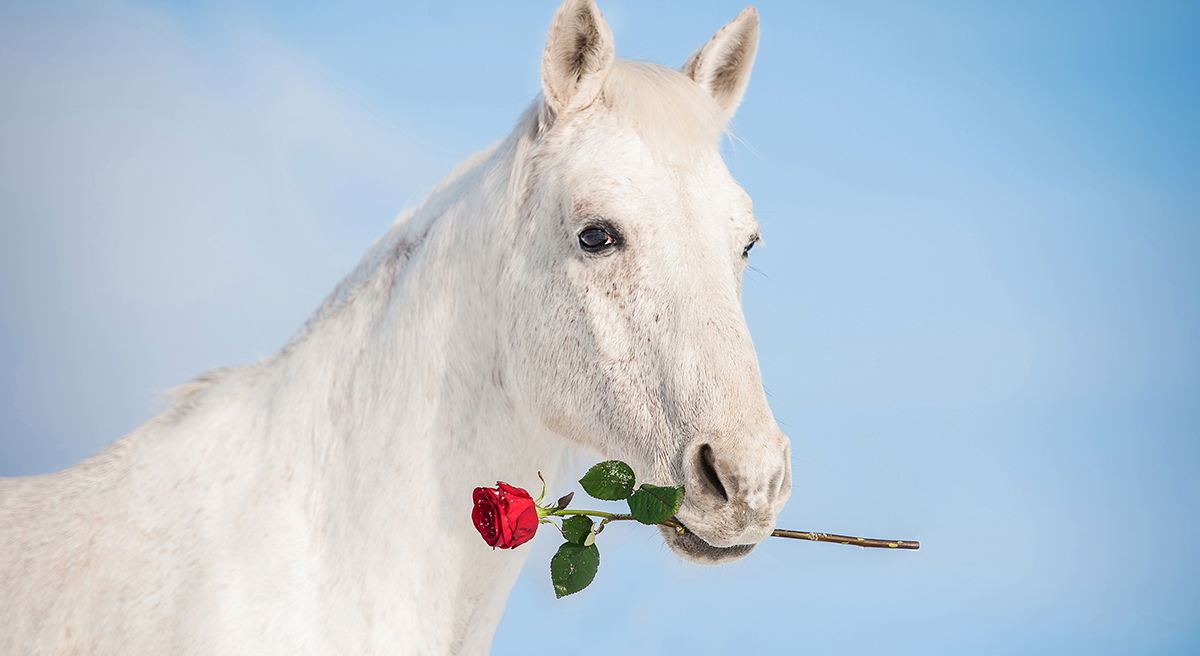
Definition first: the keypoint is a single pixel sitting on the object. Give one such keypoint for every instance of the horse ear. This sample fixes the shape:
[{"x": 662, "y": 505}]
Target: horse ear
[
  {"x": 578, "y": 56},
  {"x": 722, "y": 66}
]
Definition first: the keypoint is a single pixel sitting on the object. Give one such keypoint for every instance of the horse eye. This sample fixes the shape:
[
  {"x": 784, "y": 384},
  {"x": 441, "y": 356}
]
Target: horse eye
[
  {"x": 595, "y": 239},
  {"x": 746, "y": 250}
]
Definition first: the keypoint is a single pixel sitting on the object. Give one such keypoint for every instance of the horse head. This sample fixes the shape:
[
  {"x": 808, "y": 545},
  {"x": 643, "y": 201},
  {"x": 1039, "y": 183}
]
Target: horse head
[{"x": 634, "y": 238}]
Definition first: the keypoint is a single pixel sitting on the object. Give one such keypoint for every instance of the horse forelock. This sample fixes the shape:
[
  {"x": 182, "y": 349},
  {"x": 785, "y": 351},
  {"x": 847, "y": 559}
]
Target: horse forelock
[{"x": 672, "y": 114}]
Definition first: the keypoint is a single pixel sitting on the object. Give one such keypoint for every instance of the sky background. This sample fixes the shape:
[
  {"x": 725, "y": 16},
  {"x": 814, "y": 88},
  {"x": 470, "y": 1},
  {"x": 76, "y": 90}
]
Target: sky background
[{"x": 977, "y": 308}]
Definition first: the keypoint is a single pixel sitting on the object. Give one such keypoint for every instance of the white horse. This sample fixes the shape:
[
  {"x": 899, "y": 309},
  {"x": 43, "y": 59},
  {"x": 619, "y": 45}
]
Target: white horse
[{"x": 576, "y": 285}]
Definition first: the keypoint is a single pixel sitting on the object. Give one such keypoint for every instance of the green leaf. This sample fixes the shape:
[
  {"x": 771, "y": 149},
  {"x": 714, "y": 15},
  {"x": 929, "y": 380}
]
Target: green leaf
[
  {"x": 573, "y": 568},
  {"x": 654, "y": 504},
  {"x": 611, "y": 480},
  {"x": 576, "y": 528}
]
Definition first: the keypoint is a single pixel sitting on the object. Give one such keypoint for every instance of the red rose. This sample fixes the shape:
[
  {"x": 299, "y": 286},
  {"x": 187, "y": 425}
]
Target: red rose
[{"x": 505, "y": 516}]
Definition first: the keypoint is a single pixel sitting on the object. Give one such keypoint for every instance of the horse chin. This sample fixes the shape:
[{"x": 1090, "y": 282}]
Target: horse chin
[{"x": 692, "y": 547}]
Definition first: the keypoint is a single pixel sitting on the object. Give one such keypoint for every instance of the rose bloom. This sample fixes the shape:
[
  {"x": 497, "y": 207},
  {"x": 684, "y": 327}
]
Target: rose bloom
[{"x": 505, "y": 516}]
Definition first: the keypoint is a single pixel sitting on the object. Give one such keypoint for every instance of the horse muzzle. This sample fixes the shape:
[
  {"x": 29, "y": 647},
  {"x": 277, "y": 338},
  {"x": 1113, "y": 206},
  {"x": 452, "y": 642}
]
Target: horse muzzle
[{"x": 735, "y": 489}]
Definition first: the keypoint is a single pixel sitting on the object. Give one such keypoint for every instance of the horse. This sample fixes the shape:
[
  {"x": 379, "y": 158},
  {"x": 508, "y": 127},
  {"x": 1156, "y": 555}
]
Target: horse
[{"x": 577, "y": 286}]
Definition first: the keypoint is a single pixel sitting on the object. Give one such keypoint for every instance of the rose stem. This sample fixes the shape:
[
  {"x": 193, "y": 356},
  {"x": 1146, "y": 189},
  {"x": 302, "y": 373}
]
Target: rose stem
[
  {"x": 612, "y": 517},
  {"x": 777, "y": 533},
  {"x": 846, "y": 539}
]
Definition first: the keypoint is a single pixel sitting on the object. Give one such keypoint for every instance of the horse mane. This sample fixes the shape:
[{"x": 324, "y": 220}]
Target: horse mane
[{"x": 185, "y": 395}]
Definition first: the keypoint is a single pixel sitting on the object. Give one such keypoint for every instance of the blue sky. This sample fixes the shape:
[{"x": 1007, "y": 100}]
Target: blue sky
[{"x": 977, "y": 307}]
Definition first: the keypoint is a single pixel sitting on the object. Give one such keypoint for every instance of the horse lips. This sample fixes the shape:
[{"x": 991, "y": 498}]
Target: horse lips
[{"x": 506, "y": 516}]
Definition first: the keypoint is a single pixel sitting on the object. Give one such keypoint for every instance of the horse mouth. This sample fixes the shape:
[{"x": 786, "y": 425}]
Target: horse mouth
[{"x": 691, "y": 547}]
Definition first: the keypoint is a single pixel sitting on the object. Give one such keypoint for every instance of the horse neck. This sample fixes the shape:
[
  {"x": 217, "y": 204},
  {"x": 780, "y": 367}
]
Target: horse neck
[{"x": 407, "y": 405}]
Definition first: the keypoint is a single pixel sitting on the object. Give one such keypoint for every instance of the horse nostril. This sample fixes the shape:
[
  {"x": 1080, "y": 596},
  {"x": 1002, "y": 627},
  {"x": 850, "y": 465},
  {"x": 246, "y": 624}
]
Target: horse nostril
[{"x": 709, "y": 469}]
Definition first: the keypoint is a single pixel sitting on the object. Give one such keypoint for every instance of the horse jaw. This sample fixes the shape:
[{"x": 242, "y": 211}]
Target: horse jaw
[{"x": 691, "y": 547}]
